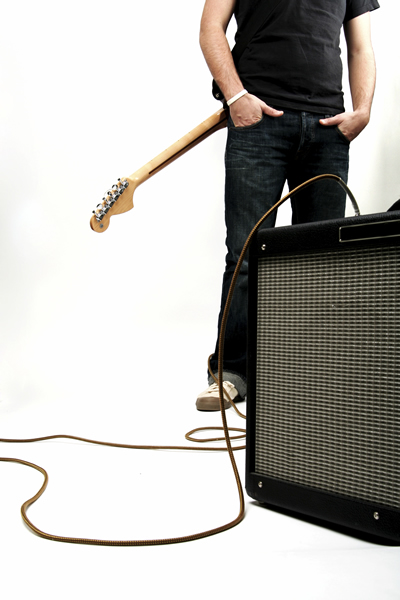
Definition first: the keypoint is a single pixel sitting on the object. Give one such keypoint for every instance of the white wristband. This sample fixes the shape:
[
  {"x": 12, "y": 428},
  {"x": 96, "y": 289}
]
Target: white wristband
[{"x": 239, "y": 95}]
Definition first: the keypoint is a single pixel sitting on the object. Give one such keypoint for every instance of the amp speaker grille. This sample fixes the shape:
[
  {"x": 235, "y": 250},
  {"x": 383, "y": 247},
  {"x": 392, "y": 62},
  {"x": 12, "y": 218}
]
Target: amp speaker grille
[{"x": 328, "y": 410}]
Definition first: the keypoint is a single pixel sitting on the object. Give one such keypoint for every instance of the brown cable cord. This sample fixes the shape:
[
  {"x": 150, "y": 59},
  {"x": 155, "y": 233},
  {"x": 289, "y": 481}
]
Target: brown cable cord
[
  {"x": 88, "y": 541},
  {"x": 189, "y": 435}
]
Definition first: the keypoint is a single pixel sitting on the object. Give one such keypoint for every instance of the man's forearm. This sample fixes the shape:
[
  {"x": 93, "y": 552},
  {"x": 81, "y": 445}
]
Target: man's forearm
[
  {"x": 362, "y": 76},
  {"x": 247, "y": 109},
  {"x": 218, "y": 56},
  {"x": 361, "y": 63}
]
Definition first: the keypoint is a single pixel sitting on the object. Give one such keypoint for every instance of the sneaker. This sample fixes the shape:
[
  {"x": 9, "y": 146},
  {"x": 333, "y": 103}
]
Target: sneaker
[{"x": 209, "y": 399}]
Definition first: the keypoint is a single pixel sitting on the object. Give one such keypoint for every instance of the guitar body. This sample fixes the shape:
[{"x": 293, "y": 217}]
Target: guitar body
[{"x": 119, "y": 198}]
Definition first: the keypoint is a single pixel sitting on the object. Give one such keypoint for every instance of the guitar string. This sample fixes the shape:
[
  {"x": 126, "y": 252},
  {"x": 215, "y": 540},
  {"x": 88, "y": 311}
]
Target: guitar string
[{"x": 189, "y": 436}]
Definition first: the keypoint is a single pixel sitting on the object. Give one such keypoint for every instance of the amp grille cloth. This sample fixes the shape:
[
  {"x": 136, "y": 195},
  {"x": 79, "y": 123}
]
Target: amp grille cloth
[{"x": 327, "y": 401}]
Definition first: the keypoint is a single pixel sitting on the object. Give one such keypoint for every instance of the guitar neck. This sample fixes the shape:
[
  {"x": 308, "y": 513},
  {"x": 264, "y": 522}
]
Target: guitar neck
[
  {"x": 217, "y": 121},
  {"x": 120, "y": 198}
]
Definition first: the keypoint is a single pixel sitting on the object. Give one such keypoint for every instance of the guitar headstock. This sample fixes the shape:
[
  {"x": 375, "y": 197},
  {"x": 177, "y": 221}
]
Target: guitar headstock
[{"x": 118, "y": 199}]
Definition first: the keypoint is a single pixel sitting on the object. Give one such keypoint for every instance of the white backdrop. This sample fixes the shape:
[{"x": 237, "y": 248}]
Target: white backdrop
[{"x": 107, "y": 335}]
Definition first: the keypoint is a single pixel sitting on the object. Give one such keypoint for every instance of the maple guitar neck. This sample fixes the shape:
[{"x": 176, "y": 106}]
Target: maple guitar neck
[{"x": 119, "y": 198}]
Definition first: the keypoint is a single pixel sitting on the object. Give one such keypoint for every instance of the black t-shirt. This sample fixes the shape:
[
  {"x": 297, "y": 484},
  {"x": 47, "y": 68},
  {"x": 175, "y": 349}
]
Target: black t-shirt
[{"x": 294, "y": 60}]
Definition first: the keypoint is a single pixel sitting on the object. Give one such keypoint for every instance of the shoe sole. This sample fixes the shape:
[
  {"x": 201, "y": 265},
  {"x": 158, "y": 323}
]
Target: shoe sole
[{"x": 210, "y": 404}]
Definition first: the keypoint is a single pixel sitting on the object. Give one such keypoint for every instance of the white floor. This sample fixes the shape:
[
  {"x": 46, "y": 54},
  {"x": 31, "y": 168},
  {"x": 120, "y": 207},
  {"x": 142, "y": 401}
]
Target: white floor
[{"x": 108, "y": 493}]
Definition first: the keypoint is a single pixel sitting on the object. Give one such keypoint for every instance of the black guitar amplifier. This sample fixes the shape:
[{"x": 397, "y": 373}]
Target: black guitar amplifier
[{"x": 323, "y": 416}]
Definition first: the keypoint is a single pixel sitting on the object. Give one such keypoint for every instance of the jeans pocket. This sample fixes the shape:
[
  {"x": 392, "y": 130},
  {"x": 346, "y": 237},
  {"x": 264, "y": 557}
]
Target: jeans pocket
[
  {"x": 246, "y": 127},
  {"x": 343, "y": 137}
]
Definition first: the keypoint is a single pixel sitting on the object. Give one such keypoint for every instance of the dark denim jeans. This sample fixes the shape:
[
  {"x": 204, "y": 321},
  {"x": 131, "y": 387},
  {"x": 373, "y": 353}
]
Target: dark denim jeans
[{"x": 259, "y": 160}]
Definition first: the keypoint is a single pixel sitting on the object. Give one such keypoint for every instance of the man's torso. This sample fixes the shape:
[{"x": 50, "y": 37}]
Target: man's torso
[{"x": 294, "y": 60}]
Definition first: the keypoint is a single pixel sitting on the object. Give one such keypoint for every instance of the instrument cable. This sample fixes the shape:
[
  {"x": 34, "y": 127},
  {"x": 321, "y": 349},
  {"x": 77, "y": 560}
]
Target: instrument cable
[{"x": 189, "y": 436}]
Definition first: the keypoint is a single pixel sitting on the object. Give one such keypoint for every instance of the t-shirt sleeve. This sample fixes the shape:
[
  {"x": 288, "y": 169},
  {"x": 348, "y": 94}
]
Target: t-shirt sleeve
[{"x": 355, "y": 8}]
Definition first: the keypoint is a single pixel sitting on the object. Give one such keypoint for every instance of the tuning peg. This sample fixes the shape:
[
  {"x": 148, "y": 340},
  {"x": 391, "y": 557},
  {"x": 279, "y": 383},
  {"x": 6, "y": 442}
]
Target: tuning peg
[
  {"x": 109, "y": 199},
  {"x": 123, "y": 183}
]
